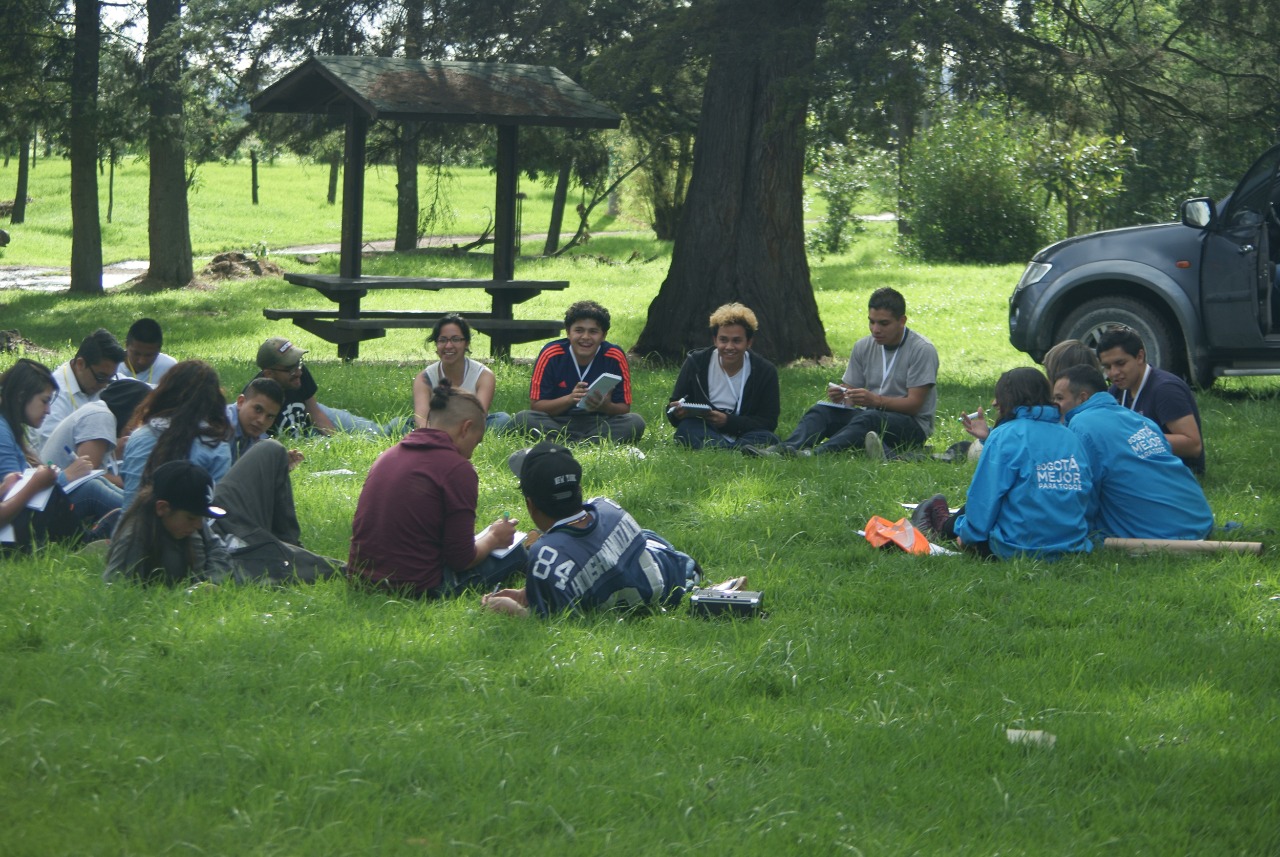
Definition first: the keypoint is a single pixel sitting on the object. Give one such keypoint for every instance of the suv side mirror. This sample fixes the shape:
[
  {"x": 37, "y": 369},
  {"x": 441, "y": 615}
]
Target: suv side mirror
[{"x": 1197, "y": 213}]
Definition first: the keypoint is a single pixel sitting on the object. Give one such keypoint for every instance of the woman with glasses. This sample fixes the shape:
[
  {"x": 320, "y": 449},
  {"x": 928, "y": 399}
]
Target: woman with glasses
[{"x": 452, "y": 338}]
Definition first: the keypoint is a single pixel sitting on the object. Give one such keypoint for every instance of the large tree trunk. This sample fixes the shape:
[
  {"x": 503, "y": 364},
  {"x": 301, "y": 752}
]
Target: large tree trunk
[
  {"x": 19, "y": 212},
  {"x": 741, "y": 236},
  {"x": 86, "y": 230},
  {"x": 169, "y": 229}
]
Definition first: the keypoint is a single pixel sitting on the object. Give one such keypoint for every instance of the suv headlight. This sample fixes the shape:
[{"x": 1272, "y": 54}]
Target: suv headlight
[{"x": 1035, "y": 273}]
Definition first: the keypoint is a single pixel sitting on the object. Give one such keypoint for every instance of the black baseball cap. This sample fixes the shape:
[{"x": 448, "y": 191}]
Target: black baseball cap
[
  {"x": 187, "y": 487},
  {"x": 549, "y": 476}
]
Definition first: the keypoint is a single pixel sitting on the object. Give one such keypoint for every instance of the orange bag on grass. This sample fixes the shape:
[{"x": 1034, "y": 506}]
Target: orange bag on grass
[{"x": 881, "y": 532}]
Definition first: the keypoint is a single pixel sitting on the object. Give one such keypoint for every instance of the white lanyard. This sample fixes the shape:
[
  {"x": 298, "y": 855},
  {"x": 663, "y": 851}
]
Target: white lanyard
[
  {"x": 1125, "y": 394},
  {"x": 582, "y": 373},
  {"x": 886, "y": 365},
  {"x": 736, "y": 393}
]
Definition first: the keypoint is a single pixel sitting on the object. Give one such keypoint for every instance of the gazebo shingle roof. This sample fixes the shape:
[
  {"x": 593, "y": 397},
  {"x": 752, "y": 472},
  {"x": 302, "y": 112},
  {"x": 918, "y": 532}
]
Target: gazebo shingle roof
[{"x": 490, "y": 93}]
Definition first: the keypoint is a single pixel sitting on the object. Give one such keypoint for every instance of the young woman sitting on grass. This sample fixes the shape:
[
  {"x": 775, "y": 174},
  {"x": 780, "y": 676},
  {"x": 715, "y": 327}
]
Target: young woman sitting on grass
[
  {"x": 165, "y": 535},
  {"x": 185, "y": 417},
  {"x": 26, "y": 390},
  {"x": 1030, "y": 492},
  {"x": 452, "y": 338}
]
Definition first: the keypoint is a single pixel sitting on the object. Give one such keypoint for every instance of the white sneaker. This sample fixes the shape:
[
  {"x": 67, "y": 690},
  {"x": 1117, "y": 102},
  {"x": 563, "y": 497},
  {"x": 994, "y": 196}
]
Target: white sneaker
[{"x": 874, "y": 447}]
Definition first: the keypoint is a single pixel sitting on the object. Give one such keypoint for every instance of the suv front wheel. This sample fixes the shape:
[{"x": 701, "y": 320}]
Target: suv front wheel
[{"x": 1095, "y": 317}]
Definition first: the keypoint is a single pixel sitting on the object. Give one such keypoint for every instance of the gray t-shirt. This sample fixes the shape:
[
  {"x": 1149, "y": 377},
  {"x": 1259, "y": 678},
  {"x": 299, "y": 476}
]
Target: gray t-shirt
[
  {"x": 890, "y": 372},
  {"x": 93, "y": 421}
]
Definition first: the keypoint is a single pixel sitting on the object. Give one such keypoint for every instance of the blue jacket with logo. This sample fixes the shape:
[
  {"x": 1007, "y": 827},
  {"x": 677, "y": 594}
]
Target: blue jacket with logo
[
  {"x": 1030, "y": 491},
  {"x": 1141, "y": 490}
]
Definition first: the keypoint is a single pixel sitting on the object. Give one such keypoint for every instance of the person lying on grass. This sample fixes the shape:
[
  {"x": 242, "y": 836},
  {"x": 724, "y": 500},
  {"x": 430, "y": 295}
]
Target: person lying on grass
[
  {"x": 1030, "y": 491},
  {"x": 185, "y": 418},
  {"x": 179, "y": 530},
  {"x": 591, "y": 555}
]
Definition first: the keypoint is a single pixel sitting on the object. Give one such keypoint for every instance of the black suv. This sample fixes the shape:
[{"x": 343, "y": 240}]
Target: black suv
[{"x": 1198, "y": 292}]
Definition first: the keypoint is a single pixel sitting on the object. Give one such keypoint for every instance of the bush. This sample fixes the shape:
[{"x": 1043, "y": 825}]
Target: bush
[
  {"x": 969, "y": 194},
  {"x": 843, "y": 174}
]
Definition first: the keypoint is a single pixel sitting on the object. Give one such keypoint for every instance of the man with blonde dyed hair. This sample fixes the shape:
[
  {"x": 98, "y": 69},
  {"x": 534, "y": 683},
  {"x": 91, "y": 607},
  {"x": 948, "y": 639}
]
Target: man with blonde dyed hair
[{"x": 725, "y": 395}]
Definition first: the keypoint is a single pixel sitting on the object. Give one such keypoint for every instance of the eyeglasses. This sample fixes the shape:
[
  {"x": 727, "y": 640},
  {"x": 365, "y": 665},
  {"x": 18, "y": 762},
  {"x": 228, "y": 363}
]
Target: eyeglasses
[
  {"x": 100, "y": 378},
  {"x": 451, "y": 340},
  {"x": 295, "y": 369}
]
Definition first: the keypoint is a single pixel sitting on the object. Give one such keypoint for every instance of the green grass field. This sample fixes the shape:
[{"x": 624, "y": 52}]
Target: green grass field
[{"x": 865, "y": 714}]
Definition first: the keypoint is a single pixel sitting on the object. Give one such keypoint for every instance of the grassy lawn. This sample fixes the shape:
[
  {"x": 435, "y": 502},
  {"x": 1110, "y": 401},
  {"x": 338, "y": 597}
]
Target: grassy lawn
[{"x": 866, "y": 714}]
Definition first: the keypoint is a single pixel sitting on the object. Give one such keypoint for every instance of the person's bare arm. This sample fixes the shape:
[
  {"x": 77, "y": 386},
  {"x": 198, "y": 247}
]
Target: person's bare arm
[
  {"x": 485, "y": 387},
  {"x": 318, "y": 417},
  {"x": 421, "y": 400},
  {"x": 1184, "y": 437},
  {"x": 95, "y": 450},
  {"x": 910, "y": 404},
  {"x": 556, "y": 407}
]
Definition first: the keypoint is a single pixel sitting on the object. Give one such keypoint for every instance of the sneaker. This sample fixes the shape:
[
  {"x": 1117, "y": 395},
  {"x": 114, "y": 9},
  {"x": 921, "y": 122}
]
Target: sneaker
[
  {"x": 874, "y": 447},
  {"x": 975, "y": 450},
  {"x": 931, "y": 516},
  {"x": 777, "y": 450},
  {"x": 958, "y": 451}
]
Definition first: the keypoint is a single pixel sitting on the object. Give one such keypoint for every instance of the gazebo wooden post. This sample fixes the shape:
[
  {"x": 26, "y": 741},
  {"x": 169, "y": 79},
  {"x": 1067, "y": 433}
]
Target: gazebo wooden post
[
  {"x": 504, "y": 229},
  {"x": 350, "y": 254}
]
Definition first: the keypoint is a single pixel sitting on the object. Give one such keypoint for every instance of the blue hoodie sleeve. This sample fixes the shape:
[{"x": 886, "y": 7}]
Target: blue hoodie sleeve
[{"x": 992, "y": 481}]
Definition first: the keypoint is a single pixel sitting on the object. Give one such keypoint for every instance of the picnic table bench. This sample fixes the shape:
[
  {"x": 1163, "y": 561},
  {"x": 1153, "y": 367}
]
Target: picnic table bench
[{"x": 349, "y": 324}]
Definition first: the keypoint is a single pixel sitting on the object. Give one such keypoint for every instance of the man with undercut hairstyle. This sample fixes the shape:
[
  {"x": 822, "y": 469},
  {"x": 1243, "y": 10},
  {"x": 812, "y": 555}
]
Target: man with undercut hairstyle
[
  {"x": 83, "y": 378},
  {"x": 1161, "y": 396},
  {"x": 143, "y": 358},
  {"x": 414, "y": 529},
  {"x": 1141, "y": 490}
]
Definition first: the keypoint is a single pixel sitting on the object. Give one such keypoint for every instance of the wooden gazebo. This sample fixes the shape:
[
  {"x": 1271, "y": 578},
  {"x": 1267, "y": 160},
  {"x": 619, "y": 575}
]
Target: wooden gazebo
[{"x": 362, "y": 89}]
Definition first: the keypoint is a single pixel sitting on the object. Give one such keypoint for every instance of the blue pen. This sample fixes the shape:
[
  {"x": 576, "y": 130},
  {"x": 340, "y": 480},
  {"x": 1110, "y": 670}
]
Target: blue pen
[{"x": 68, "y": 451}]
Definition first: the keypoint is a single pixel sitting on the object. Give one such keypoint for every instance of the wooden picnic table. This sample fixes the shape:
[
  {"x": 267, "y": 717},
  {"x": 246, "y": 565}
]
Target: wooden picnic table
[{"x": 349, "y": 324}]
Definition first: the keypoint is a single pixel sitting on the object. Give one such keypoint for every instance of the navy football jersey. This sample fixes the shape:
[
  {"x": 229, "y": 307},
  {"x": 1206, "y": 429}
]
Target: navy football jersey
[{"x": 613, "y": 562}]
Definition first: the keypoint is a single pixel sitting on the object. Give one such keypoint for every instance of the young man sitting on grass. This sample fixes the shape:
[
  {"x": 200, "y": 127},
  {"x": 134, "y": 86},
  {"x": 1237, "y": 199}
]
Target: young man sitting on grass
[
  {"x": 1161, "y": 396},
  {"x": 83, "y": 378},
  {"x": 558, "y": 397},
  {"x": 143, "y": 358},
  {"x": 591, "y": 555},
  {"x": 1141, "y": 490},
  {"x": 885, "y": 401}
]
